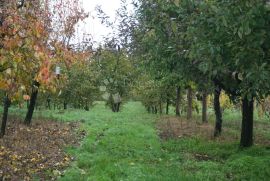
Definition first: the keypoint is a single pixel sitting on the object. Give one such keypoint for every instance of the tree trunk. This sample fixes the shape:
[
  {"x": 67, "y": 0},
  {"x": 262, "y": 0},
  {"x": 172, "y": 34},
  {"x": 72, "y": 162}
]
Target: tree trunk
[
  {"x": 65, "y": 105},
  {"x": 160, "y": 108},
  {"x": 177, "y": 101},
  {"x": 32, "y": 103},
  {"x": 27, "y": 104},
  {"x": 218, "y": 113},
  {"x": 167, "y": 106},
  {"x": 118, "y": 106},
  {"x": 5, "y": 115},
  {"x": 86, "y": 106},
  {"x": 149, "y": 109},
  {"x": 153, "y": 109},
  {"x": 247, "y": 122},
  {"x": 49, "y": 103},
  {"x": 204, "y": 107},
  {"x": 189, "y": 107}
]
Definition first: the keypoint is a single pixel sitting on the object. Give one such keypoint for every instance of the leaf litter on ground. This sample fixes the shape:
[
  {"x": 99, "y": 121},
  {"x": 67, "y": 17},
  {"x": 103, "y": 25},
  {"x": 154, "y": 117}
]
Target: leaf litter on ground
[{"x": 37, "y": 151}]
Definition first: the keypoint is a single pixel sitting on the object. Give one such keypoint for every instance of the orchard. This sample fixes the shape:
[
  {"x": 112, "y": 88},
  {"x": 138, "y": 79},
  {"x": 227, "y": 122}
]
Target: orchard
[{"x": 177, "y": 90}]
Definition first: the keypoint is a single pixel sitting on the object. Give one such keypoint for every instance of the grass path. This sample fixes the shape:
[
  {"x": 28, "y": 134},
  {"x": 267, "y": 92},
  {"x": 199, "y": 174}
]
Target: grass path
[
  {"x": 120, "y": 146},
  {"x": 125, "y": 147}
]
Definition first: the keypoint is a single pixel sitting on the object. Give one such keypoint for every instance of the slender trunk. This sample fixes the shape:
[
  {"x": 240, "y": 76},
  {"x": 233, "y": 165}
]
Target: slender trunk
[
  {"x": 189, "y": 107},
  {"x": 247, "y": 122},
  {"x": 49, "y": 103},
  {"x": 177, "y": 101},
  {"x": 153, "y": 109},
  {"x": 33, "y": 99},
  {"x": 27, "y": 104},
  {"x": 218, "y": 113},
  {"x": 5, "y": 115},
  {"x": 118, "y": 106},
  {"x": 86, "y": 106},
  {"x": 167, "y": 106},
  {"x": 204, "y": 107},
  {"x": 65, "y": 105},
  {"x": 148, "y": 109}
]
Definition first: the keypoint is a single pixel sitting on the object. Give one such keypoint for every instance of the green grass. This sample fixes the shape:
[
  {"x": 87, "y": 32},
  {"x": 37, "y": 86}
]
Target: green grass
[{"x": 125, "y": 146}]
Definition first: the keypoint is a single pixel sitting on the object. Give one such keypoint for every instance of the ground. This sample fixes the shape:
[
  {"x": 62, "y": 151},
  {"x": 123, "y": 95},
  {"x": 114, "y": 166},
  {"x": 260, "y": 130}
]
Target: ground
[
  {"x": 134, "y": 145},
  {"x": 36, "y": 151}
]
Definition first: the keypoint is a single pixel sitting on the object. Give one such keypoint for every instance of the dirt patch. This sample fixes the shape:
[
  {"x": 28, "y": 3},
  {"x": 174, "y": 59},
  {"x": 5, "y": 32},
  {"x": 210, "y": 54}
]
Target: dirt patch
[
  {"x": 202, "y": 157},
  {"x": 174, "y": 127},
  {"x": 36, "y": 151}
]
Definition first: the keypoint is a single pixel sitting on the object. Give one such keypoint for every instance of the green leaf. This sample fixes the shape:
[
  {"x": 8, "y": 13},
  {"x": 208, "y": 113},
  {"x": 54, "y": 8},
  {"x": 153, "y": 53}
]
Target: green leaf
[
  {"x": 224, "y": 21},
  {"x": 240, "y": 34},
  {"x": 176, "y": 2}
]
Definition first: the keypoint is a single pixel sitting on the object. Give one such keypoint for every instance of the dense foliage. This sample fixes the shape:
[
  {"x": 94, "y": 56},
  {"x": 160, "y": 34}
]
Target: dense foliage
[{"x": 213, "y": 45}]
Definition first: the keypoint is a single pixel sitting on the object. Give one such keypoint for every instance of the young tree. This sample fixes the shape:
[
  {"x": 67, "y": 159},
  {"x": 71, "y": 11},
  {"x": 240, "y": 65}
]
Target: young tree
[
  {"x": 59, "y": 22},
  {"x": 115, "y": 75},
  {"x": 27, "y": 62}
]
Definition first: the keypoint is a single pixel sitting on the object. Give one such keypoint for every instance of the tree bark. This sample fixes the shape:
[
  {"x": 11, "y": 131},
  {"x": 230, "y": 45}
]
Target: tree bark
[
  {"x": 86, "y": 106},
  {"x": 153, "y": 109},
  {"x": 65, "y": 105},
  {"x": 204, "y": 107},
  {"x": 49, "y": 103},
  {"x": 189, "y": 107},
  {"x": 167, "y": 106},
  {"x": 247, "y": 122},
  {"x": 177, "y": 101},
  {"x": 218, "y": 113},
  {"x": 149, "y": 109},
  {"x": 5, "y": 115},
  {"x": 27, "y": 104},
  {"x": 31, "y": 107},
  {"x": 160, "y": 108},
  {"x": 118, "y": 106}
]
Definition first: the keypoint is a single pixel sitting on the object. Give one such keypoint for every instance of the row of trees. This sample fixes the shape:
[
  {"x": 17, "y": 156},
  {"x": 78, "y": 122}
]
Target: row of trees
[
  {"x": 32, "y": 46},
  {"x": 168, "y": 49},
  {"x": 207, "y": 46},
  {"x": 107, "y": 75}
]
